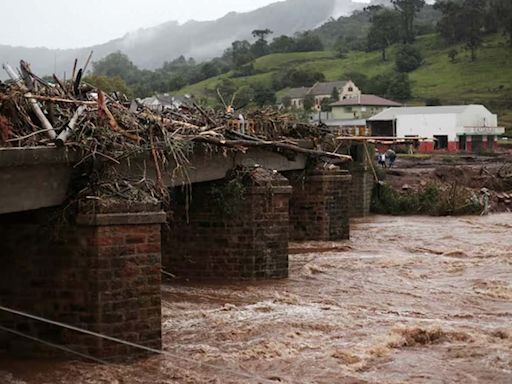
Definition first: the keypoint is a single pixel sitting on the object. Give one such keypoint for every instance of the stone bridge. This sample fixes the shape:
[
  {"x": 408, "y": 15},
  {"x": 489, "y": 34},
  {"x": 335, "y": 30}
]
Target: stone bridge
[{"x": 100, "y": 268}]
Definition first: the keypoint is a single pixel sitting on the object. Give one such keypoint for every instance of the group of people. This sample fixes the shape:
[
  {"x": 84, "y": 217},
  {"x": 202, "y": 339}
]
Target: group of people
[{"x": 386, "y": 159}]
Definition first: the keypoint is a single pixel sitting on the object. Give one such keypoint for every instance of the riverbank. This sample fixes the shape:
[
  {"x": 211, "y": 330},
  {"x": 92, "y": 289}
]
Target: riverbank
[{"x": 444, "y": 184}]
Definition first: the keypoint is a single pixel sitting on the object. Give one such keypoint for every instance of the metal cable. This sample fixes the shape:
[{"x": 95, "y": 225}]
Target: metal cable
[
  {"x": 138, "y": 346},
  {"x": 62, "y": 348}
]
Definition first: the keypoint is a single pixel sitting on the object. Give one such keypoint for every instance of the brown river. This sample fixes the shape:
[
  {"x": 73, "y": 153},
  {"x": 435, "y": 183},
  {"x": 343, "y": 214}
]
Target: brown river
[{"x": 407, "y": 300}]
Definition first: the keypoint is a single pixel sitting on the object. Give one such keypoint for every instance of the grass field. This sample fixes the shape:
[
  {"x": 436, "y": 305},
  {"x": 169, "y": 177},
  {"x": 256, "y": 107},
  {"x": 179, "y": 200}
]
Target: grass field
[{"x": 486, "y": 81}]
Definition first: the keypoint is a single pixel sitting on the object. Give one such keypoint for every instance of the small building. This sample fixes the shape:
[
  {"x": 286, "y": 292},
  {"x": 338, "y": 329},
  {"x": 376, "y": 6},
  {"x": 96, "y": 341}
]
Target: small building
[
  {"x": 297, "y": 96},
  {"x": 159, "y": 103},
  {"x": 360, "y": 107},
  {"x": 470, "y": 128},
  {"x": 321, "y": 91}
]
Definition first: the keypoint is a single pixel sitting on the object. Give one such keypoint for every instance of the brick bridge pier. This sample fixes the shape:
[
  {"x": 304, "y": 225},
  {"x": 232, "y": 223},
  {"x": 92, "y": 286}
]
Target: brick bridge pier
[{"x": 99, "y": 268}]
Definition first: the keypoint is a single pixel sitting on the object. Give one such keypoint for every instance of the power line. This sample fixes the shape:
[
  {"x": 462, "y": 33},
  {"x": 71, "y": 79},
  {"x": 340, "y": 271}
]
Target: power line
[{"x": 134, "y": 345}]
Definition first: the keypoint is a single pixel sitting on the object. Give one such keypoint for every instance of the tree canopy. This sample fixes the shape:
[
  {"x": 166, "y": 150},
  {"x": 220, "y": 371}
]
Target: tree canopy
[{"x": 408, "y": 10}]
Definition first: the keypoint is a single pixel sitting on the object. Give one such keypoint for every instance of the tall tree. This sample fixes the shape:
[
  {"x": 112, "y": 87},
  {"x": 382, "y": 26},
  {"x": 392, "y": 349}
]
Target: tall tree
[
  {"x": 384, "y": 30},
  {"x": 282, "y": 44},
  {"x": 501, "y": 11},
  {"x": 262, "y": 34},
  {"x": 260, "y": 46},
  {"x": 117, "y": 64},
  {"x": 408, "y": 10},
  {"x": 241, "y": 52},
  {"x": 335, "y": 95},
  {"x": 463, "y": 22},
  {"x": 473, "y": 12}
]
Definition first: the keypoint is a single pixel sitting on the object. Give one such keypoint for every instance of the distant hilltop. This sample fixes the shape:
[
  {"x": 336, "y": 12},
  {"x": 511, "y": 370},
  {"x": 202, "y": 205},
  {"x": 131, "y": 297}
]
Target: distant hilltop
[{"x": 150, "y": 48}]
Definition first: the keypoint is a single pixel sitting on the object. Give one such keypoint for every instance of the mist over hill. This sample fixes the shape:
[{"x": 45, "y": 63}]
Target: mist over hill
[{"x": 150, "y": 48}]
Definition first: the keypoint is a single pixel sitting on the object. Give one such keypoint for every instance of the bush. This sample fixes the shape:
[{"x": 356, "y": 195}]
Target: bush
[
  {"x": 399, "y": 87},
  {"x": 408, "y": 58},
  {"x": 244, "y": 71},
  {"x": 433, "y": 199},
  {"x": 294, "y": 77},
  {"x": 432, "y": 102}
]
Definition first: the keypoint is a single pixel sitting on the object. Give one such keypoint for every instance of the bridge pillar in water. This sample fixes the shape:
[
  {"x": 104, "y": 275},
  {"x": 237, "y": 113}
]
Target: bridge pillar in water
[
  {"x": 363, "y": 180},
  {"x": 234, "y": 229},
  {"x": 319, "y": 206},
  {"x": 101, "y": 272}
]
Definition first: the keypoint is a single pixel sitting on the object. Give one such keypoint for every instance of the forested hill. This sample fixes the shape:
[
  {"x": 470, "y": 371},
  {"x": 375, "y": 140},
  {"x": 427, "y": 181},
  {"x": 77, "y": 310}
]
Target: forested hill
[
  {"x": 440, "y": 79},
  {"x": 150, "y": 48}
]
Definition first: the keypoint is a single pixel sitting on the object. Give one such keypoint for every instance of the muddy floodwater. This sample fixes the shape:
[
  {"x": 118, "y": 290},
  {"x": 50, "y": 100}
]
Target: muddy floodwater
[{"x": 407, "y": 300}]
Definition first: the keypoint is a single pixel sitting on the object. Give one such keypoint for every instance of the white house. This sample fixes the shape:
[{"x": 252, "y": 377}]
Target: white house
[
  {"x": 471, "y": 128},
  {"x": 159, "y": 103},
  {"x": 320, "y": 91}
]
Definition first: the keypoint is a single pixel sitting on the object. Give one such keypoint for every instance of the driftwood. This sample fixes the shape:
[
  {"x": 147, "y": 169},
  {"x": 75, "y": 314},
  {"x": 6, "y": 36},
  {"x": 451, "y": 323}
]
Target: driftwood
[
  {"x": 102, "y": 106},
  {"x": 103, "y": 128},
  {"x": 60, "y": 100},
  {"x": 269, "y": 144}
]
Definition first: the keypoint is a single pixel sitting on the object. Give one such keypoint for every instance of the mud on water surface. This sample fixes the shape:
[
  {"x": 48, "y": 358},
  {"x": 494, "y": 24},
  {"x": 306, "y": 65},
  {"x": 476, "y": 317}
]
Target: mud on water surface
[{"x": 407, "y": 300}]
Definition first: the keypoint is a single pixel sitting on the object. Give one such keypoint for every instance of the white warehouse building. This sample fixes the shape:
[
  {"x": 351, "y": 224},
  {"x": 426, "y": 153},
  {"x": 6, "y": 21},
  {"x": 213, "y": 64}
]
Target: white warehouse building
[{"x": 471, "y": 128}]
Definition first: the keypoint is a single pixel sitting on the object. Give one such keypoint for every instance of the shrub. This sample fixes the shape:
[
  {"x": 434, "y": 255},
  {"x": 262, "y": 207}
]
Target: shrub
[
  {"x": 433, "y": 199},
  {"x": 408, "y": 58}
]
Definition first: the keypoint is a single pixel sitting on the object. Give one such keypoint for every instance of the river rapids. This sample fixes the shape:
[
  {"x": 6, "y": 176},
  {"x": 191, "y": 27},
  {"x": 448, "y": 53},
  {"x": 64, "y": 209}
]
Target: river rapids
[{"x": 406, "y": 300}]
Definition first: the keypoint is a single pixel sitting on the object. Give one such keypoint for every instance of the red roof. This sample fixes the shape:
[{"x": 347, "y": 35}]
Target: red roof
[{"x": 371, "y": 100}]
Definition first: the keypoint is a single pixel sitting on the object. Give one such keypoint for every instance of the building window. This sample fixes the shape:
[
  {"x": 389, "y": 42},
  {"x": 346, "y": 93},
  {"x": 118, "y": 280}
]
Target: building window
[
  {"x": 440, "y": 142},
  {"x": 350, "y": 89},
  {"x": 348, "y": 109}
]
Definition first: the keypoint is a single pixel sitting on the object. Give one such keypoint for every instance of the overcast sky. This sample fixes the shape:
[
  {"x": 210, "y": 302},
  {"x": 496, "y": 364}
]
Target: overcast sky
[{"x": 72, "y": 23}]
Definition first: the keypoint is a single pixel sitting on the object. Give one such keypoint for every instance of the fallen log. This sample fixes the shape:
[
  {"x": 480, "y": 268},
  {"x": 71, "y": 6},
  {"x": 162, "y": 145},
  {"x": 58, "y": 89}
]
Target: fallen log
[
  {"x": 268, "y": 144},
  {"x": 60, "y": 100}
]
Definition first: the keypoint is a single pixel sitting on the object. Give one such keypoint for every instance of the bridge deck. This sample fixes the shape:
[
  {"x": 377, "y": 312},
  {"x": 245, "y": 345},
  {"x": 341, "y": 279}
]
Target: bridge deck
[{"x": 39, "y": 177}]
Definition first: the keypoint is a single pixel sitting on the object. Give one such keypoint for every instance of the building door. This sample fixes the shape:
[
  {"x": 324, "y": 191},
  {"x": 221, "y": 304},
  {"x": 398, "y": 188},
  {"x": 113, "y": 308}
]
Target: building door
[
  {"x": 463, "y": 140},
  {"x": 478, "y": 142},
  {"x": 440, "y": 142},
  {"x": 490, "y": 143}
]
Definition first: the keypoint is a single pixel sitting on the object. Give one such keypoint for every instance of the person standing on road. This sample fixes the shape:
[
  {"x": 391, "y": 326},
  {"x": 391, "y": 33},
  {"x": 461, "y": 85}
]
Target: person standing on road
[
  {"x": 391, "y": 155},
  {"x": 382, "y": 159}
]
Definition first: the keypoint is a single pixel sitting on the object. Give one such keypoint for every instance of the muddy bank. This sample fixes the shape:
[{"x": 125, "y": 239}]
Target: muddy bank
[
  {"x": 463, "y": 179},
  {"x": 407, "y": 300}
]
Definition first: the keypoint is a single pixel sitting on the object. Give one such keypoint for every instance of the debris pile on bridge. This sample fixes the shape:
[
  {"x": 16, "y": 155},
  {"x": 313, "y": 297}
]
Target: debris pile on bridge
[
  {"x": 35, "y": 112},
  {"x": 75, "y": 114}
]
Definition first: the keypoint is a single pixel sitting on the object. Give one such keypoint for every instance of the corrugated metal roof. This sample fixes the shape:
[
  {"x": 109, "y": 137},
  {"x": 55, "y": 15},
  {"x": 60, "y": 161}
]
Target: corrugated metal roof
[{"x": 392, "y": 113}]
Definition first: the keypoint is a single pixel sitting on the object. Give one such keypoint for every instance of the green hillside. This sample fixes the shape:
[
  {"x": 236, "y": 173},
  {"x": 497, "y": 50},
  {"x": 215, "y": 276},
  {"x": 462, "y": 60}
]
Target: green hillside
[{"x": 487, "y": 81}]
